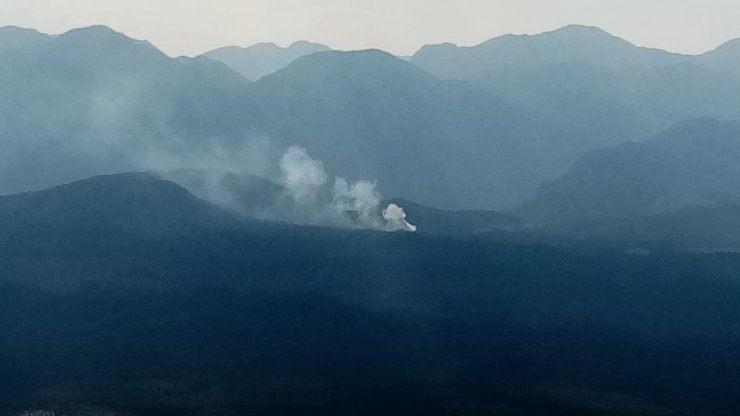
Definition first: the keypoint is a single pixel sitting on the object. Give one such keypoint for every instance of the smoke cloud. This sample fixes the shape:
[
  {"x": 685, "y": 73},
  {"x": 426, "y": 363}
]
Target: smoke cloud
[
  {"x": 302, "y": 176},
  {"x": 355, "y": 205},
  {"x": 293, "y": 188},
  {"x": 395, "y": 218}
]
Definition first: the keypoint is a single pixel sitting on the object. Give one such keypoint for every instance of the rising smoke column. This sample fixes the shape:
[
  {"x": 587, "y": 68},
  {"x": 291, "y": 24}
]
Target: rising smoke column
[
  {"x": 395, "y": 218},
  {"x": 355, "y": 205},
  {"x": 360, "y": 200},
  {"x": 302, "y": 176}
]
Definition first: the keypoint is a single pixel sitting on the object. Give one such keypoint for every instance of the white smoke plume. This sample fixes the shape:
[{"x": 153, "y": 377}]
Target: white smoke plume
[
  {"x": 262, "y": 181},
  {"x": 356, "y": 205},
  {"x": 302, "y": 176},
  {"x": 395, "y": 218}
]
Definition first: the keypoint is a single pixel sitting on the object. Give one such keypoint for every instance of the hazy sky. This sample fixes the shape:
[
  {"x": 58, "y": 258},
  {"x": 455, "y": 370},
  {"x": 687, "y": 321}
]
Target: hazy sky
[{"x": 189, "y": 27}]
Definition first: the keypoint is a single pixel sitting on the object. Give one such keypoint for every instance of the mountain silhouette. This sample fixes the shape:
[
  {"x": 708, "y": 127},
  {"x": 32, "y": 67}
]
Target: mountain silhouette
[
  {"x": 93, "y": 101},
  {"x": 103, "y": 207},
  {"x": 595, "y": 89},
  {"x": 368, "y": 114},
  {"x": 691, "y": 164},
  {"x": 570, "y": 44},
  {"x": 257, "y": 61}
]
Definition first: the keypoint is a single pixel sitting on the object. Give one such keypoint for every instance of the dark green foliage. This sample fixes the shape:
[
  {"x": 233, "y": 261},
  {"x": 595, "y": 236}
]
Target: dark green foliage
[{"x": 228, "y": 318}]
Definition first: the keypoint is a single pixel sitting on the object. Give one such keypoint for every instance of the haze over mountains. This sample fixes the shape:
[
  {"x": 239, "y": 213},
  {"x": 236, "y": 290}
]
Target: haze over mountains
[
  {"x": 257, "y": 61},
  {"x": 94, "y": 101},
  {"x": 103, "y": 103},
  {"x": 596, "y": 88},
  {"x": 692, "y": 164},
  {"x": 678, "y": 187},
  {"x": 536, "y": 225}
]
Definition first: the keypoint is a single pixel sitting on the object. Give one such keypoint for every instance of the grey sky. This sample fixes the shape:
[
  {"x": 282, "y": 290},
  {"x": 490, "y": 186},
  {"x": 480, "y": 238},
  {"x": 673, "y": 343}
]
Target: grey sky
[{"x": 189, "y": 27}]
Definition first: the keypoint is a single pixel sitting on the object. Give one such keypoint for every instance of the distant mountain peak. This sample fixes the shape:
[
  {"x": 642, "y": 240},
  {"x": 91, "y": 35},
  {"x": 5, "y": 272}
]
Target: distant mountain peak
[
  {"x": 94, "y": 31},
  {"x": 440, "y": 46},
  {"x": 261, "y": 59},
  {"x": 576, "y": 36},
  {"x": 263, "y": 45},
  {"x": 726, "y": 57},
  {"x": 300, "y": 44},
  {"x": 587, "y": 45},
  {"x": 578, "y": 28},
  {"x": 365, "y": 52},
  {"x": 305, "y": 43},
  {"x": 367, "y": 60},
  {"x": 11, "y": 29},
  {"x": 96, "y": 36},
  {"x": 729, "y": 46},
  {"x": 100, "y": 35},
  {"x": 18, "y": 37},
  {"x": 349, "y": 66}
]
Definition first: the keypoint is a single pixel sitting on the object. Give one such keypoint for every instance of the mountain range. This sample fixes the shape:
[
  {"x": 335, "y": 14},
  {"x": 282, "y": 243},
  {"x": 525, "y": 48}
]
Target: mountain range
[
  {"x": 692, "y": 164},
  {"x": 163, "y": 113},
  {"x": 678, "y": 188},
  {"x": 203, "y": 310},
  {"x": 93, "y": 101},
  {"x": 213, "y": 235},
  {"x": 91, "y": 110},
  {"x": 257, "y": 61},
  {"x": 598, "y": 89}
]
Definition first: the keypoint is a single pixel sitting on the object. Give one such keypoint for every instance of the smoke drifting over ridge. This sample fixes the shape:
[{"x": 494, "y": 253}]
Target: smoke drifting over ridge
[
  {"x": 91, "y": 112},
  {"x": 297, "y": 189}
]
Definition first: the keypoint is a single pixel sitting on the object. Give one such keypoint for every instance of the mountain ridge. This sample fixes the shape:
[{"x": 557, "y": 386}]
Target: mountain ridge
[
  {"x": 259, "y": 60},
  {"x": 690, "y": 164},
  {"x": 94, "y": 109},
  {"x": 101, "y": 206},
  {"x": 350, "y": 110},
  {"x": 570, "y": 43}
]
